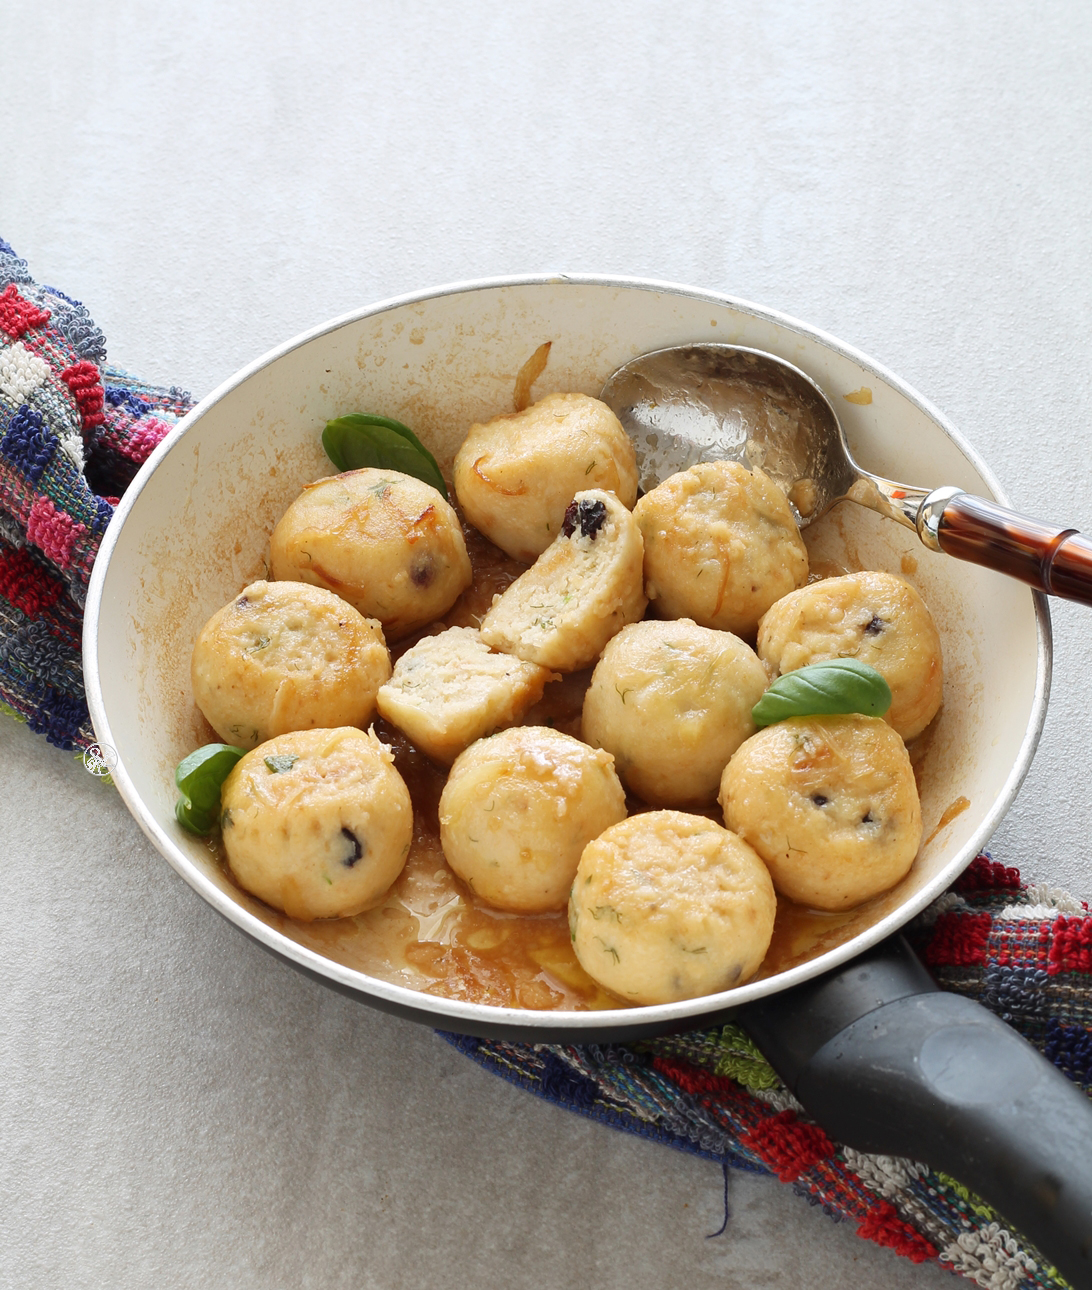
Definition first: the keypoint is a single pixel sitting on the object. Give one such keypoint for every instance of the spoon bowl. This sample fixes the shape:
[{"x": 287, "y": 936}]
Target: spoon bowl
[{"x": 712, "y": 402}]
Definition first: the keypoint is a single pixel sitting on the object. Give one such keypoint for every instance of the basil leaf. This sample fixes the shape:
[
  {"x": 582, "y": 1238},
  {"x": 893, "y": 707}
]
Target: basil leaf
[
  {"x": 198, "y": 778},
  {"x": 280, "y": 762},
  {"x": 358, "y": 440},
  {"x": 839, "y": 685}
]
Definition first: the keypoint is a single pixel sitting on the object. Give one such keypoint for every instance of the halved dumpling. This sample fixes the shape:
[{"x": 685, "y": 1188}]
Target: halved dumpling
[
  {"x": 450, "y": 689},
  {"x": 585, "y": 587}
]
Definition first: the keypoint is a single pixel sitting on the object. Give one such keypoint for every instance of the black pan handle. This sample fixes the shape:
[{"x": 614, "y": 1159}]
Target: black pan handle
[{"x": 886, "y": 1062}]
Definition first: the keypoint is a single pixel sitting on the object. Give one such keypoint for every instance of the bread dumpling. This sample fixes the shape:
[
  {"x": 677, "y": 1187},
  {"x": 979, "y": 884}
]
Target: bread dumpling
[
  {"x": 516, "y": 474},
  {"x": 450, "y": 689},
  {"x": 317, "y": 823},
  {"x": 583, "y": 588},
  {"x": 878, "y": 618},
  {"x": 519, "y": 808},
  {"x": 668, "y": 906},
  {"x": 721, "y": 545},
  {"x": 672, "y": 701},
  {"x": 829, "y": 803},
  {"x": 387, "y": 543},
  {"x": 286, "y": 656}
]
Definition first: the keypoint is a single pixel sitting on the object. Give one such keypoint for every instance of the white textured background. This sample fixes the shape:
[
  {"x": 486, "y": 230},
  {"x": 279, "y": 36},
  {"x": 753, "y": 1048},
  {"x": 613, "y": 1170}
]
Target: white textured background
[{"x": 178, "y": 1110}]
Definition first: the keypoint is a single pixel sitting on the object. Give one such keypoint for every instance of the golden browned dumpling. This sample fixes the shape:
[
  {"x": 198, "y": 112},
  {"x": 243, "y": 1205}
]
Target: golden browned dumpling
[
  {"x": 672, "y": 701},
  {"x": 516, "y": 474},
  {"x": 668, "y": 906},
  {"x": 519, "y": 808},
  {"x": 317, "y": 823},
  {"x": 830, "y": 805},
  {"x": 450, "y": 689},
  {"x": 583, "y": 588},
  {"x": 385, "y": 542},
  {"x": 286, "y": 656},
  {"x": 877, "y": 618},
  {"x": 721, "y": 546}
]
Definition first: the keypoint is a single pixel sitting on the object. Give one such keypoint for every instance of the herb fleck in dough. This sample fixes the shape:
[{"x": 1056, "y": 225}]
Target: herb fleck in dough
[
  {"x": 317, "y": 823},
  {"x": 516, "y": 474},
  {"x": 668, "y": 906},
  {"x": 829, "y": 803},
  {"x": 285, "y": 656},
  {"x": 385, "y": 542}
]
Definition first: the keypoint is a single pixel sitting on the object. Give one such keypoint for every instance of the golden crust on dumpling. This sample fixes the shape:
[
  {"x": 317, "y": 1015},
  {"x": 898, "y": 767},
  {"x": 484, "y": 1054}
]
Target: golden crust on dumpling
[
  {"x": 668, "y": 906},
  {"x": 516, "y": 474},
  {"x": 672, "y": 701},
  {"x": 387, "y": 543},
  {"x": 878, "y": 618},
  {"x": 829, "y": 803},
  {"x": 317, "y": 823},
  {"x": 519, "y": 808},
  {"x": 286, "y": 656},
  {"x": 721, "y": 545}
]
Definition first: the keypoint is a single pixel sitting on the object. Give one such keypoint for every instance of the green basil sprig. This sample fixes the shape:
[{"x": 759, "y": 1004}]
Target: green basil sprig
[
  {"x": 359, "y": 439},
  {"x": 198, "y": 778},
  {"x": 839, "y": 685}
]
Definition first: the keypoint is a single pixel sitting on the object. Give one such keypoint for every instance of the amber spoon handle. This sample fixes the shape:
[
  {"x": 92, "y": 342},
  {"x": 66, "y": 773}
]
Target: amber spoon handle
[{"x": 1055, "y": 560}]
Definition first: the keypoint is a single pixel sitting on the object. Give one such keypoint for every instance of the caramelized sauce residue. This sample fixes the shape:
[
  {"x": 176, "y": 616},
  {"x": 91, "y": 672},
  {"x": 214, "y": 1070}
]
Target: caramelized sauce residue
[{"x": 955, "y": 808}]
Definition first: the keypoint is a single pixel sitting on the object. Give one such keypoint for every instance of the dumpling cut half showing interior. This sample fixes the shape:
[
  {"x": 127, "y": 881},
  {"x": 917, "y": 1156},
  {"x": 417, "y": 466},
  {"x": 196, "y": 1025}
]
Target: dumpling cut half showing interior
[
  {"x": 585, "y": 587},
  {"x": 451, "y": 689}
]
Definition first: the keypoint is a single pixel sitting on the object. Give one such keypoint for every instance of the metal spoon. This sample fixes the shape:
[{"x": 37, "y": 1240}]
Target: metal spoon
[{"x": 714, "y": 402}]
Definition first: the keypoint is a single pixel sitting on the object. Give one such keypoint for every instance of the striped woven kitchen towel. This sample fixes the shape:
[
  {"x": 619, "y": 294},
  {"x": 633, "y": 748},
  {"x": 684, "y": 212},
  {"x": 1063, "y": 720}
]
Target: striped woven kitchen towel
[{"x": 73, "y": 433}]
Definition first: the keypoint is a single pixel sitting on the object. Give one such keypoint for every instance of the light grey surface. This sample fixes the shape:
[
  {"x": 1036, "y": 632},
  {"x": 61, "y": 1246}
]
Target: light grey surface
[{"x": 179, "y": 1110}]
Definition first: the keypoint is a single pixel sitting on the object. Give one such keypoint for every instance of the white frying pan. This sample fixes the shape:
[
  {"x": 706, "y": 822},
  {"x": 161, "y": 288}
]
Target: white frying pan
[{"x": 193, "y": 529}]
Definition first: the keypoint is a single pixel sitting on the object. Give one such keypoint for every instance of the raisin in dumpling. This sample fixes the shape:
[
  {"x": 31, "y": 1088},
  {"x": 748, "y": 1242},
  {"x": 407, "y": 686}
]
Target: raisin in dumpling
[
  {"x": 672, "y": 701},
  {"x": 519, "y": 808},
  {"x": 387, "y": 543},
  {"x": 581, "y": 590},
  {"x": 721, "y": 545},
  {"x": 516, "y": 474},
  {"x": 287, "y": 656},
  {"x": 317, "y": 823},
  {"x": 829, "y": 803},
  {"x": 668, "y": 906},
  {"x": 878, "y": 618}
]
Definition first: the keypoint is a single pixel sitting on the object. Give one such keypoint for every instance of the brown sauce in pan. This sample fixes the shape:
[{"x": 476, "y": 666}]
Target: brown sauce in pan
[{"x": 432, "y": 934}]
